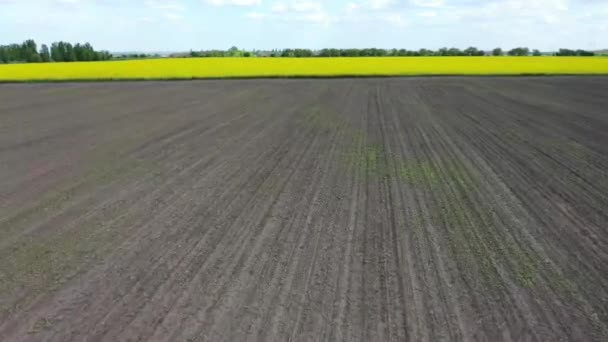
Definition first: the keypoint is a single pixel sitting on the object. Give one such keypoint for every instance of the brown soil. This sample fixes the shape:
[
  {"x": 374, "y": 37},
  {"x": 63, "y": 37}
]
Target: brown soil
[{"x": 419, "y": 209}]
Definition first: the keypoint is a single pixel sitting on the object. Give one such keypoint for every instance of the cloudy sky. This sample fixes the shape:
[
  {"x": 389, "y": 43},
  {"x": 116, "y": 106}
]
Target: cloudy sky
[{"x": 169, "y": 25}]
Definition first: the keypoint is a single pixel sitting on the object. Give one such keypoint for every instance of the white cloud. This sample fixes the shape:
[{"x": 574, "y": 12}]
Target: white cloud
[
  {"x": 255, "y": 15},
  {"x": 297, "y": 6},
  {"x": 373, "y": 12},
  {"x": 164, "y": 5},
  {"x": 318, "y": 17},
  {"x": 395, "y": 20},
  {"x": 297, "y": 11},
  {"x": 385, "y": 5},
  {"x": 173, "y": 16},
  {"x": 549, "y": 11},
  {"x": 427, "y": 14},
  {"x": 307, "y": 6},
  {"x": 381, "y": 4},
  {"x": 542, "y": 24},
  {"x": 280, "y": 7},
  {"x": 428, "y": 3},
  {"x": 242, "y": 3},
  {"x": 146, "y": 19},
  {"x": 352, "y": 6}
]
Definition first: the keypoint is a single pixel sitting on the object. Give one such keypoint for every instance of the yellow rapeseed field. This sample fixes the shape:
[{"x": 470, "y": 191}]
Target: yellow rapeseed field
[{"x": 187, "y": 68}]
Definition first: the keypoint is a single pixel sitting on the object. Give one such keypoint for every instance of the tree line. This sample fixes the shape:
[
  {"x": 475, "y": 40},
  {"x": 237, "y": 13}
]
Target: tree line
[
  {"x": 58, "y": 52},
  {"x": 66, "y": 52},
  {"x": 375, "y": 52},
  {"x": 567, "y": 52}
]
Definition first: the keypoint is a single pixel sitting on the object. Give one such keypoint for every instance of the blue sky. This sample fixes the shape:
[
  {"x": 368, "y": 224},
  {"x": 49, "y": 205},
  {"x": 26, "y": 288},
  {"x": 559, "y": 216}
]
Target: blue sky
[{"x": 170, "y": 25}]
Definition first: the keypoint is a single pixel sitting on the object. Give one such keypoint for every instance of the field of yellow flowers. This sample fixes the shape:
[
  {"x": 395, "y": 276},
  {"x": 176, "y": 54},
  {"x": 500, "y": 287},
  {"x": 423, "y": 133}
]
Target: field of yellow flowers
[{"x": 193, "y": 68}]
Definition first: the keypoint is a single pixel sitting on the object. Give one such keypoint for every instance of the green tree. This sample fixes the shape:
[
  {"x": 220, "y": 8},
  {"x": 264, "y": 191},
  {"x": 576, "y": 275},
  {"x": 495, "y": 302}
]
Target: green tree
[
  {"x": 234, "y": 52},
  {"x": 455, "y": 52},
  {"x": 473, "y": 51},
  {"x": 56, "y": 52},
  {"x": 497, "y": 52},
  {"x": 568, "y": 52},
  {"x": 78, "y": 52},
  {"x": 3, "y": 55},
  {"x": 34, "y": 58},
  {"x": 70, "y": 54},
  {"x": 425, "y": 52},
  {"x": 519, "y": 51},
  {"x": 29, "y": 52},
  {"x": 44, "y": 53}
]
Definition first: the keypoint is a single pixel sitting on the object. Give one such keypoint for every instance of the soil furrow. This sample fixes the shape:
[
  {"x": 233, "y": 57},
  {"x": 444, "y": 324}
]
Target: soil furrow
[{"x": 394, "y": 209}]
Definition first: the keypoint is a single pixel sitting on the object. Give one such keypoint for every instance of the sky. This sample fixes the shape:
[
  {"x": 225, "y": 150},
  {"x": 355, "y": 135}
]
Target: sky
[{"x": 182, "y": 25}]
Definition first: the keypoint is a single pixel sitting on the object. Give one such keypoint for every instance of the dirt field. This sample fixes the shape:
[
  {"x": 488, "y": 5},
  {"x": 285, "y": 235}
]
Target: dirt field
[{"x": 419, "y": 209}]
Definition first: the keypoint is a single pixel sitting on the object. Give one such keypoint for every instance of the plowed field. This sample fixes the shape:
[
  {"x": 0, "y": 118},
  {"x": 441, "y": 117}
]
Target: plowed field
[{"x": 418, "y": 209}]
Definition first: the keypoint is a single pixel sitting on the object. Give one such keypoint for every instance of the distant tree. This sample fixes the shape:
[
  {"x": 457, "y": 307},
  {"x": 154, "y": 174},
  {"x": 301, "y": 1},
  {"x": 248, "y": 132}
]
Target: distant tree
[
  {"x": 70, "y": 54},
  {"x": 585, "y": 53},
  {"x": 302, "y": 53},
  {"x": 568, "y": 52},
  {"x": 473, "y": 51},
  {"x": 331, "y": 53},
  {"x": 441, "y": 52},
  {"x": 519, "y": 51},
  {"x": 103, "y": 55},
  {"x": 15, "y": 53},
  {"x": 29, "y": 52},
  {"x": 247, "y": 54},
  {"x": 84, "y": 52},
  {"x": 497, "y": 52},
  {"x": 234, "y": 52},
  {"x": 455, "y": 52},
  {"x": 79, "y": 52},
  {"x": 536, "y": 53},
  {"x": 57, "y": 52},
  {"x": 34, "y": 58},
  {"x": 353, "y": 52},
  {"x": 44, "y": 53},
  {"x": 425, "y": 52}
]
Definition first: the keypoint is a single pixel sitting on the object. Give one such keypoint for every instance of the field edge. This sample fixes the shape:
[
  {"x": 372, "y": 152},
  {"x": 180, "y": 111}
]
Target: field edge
[{"x": 310, "y": 77}]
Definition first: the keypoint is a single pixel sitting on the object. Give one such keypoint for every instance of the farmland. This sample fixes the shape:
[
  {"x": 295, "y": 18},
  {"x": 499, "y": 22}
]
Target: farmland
[
  {"x": 193, "y": 68},
  {"x": 419, "y": 209}
]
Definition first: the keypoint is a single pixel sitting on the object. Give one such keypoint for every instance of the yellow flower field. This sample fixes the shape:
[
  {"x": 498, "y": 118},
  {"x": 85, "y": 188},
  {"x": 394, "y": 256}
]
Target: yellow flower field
[{"x": 187, "y": 68}]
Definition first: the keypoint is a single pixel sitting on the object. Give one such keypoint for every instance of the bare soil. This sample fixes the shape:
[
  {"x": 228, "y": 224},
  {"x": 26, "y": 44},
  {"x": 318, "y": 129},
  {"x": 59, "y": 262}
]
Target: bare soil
[{"x": 419, "y": 209}]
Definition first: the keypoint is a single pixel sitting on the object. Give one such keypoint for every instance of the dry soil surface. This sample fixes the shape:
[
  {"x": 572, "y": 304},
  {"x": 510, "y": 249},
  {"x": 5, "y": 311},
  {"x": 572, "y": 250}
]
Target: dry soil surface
[{"x": 420, "y": 209}]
